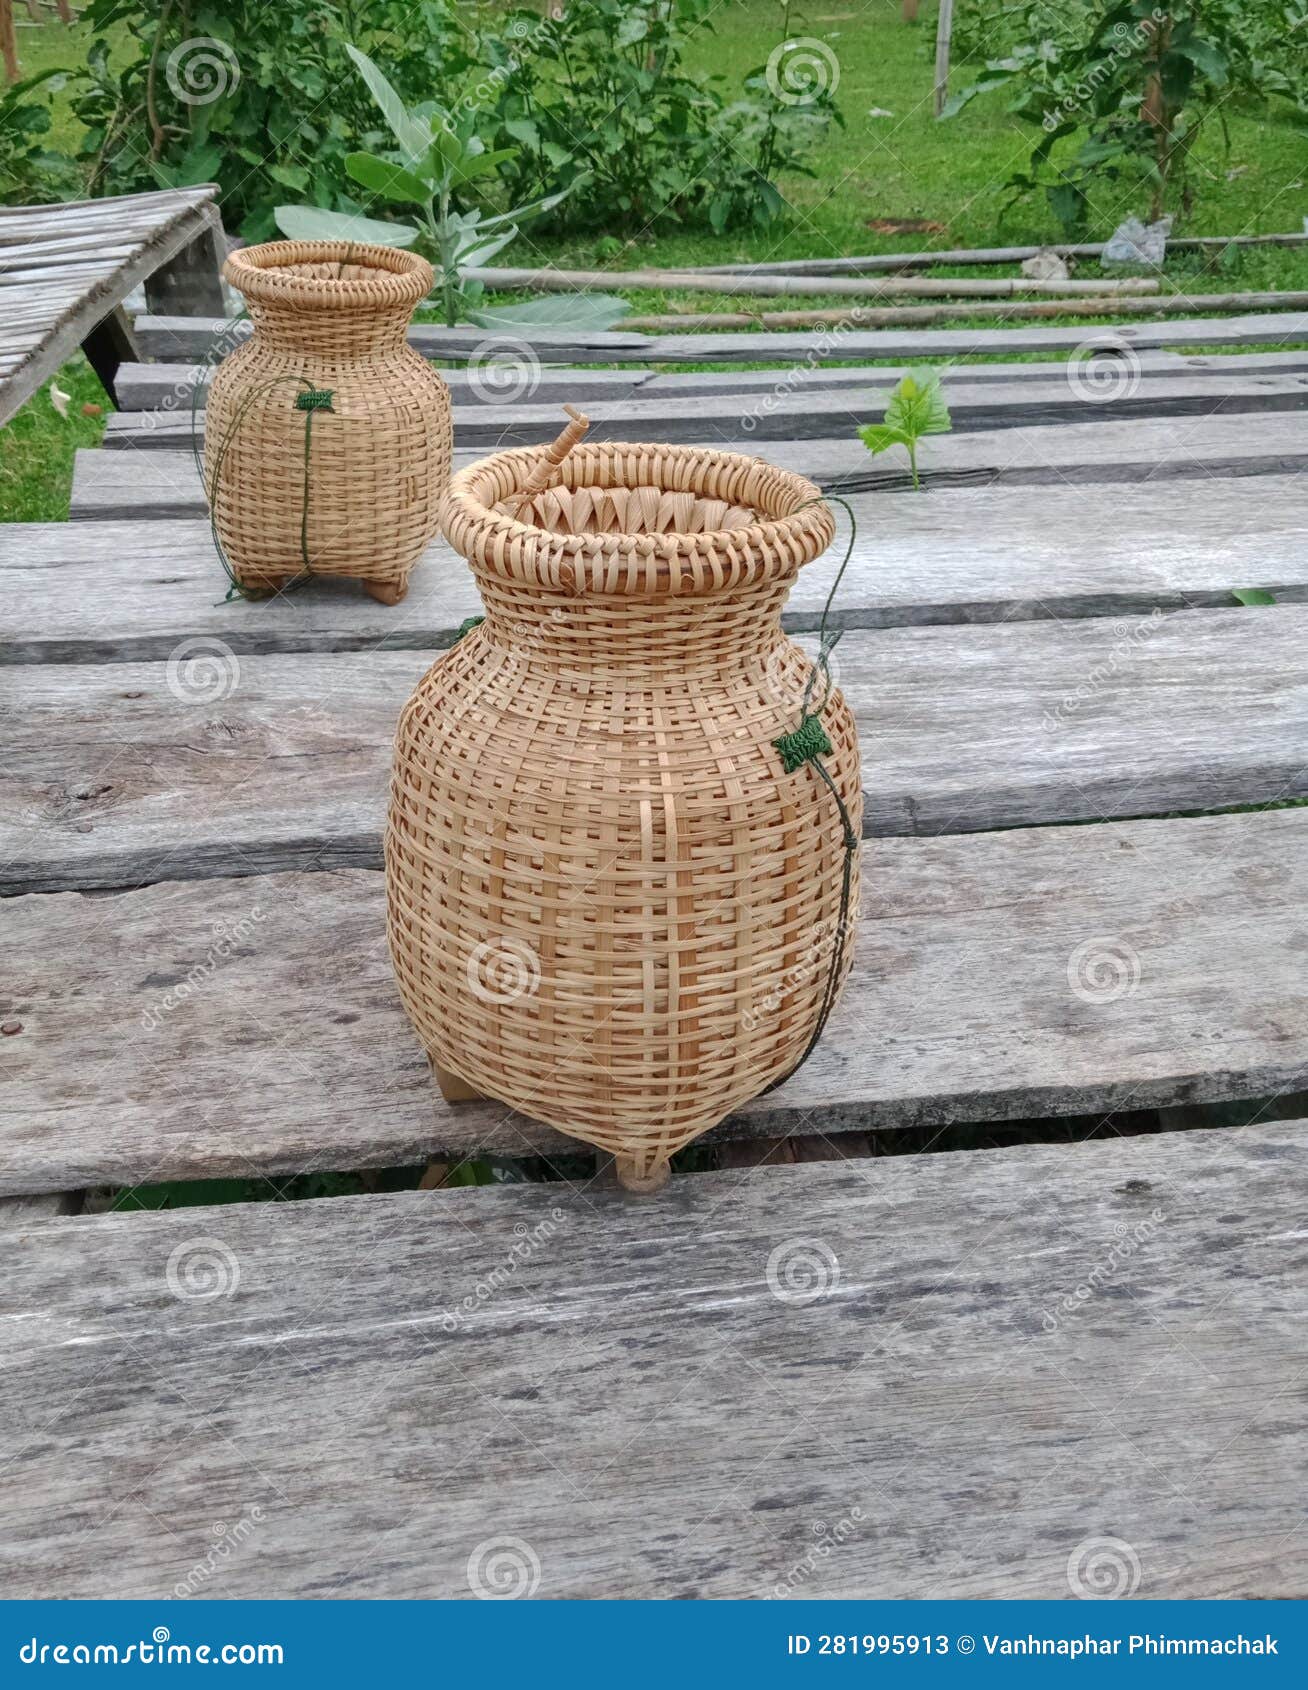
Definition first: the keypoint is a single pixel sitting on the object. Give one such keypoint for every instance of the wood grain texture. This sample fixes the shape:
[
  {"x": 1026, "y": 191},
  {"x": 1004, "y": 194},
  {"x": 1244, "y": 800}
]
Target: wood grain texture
[
  {"x": 187, "y": 337},
  {"x": 44, "y": 313},
  {"x": 151, "y": 485},
  {"x": 804, "y": 414},
  {"x": 107, "y": 591},
  {"x": 997, "y": 977},
  {"x": 116, "y": 774},
  {"x": 942, "y": 1416}
]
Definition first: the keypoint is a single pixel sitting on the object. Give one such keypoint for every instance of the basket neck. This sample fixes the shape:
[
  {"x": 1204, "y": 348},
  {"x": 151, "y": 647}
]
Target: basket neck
[
  {"x": 336, "y": 333},
  {"x": 683, "y": 637}
]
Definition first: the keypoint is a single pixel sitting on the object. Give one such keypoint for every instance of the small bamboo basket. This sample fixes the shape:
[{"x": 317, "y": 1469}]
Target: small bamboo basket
[
  {"x": 327, "y": 438},
  {"x": 611, "y": 904}
]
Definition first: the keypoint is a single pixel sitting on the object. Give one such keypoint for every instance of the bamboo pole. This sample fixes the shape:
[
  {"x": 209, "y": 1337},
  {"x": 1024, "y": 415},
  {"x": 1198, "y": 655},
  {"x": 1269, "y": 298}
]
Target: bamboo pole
[
  {"x": 861, "y": 317},
  {"x": 875, "y": 263},
  {"x": 916, "y": 287},
  {"x": 9, "y": 40},
  {"x": 944, "y": 29}
]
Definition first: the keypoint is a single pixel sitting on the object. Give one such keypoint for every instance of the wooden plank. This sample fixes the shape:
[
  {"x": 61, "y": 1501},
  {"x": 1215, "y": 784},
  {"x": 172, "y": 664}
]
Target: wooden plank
[
  {"x": 957, "y": 1419},
  {"x": 150, "y": 485},
  {"x": 173, "y": 222},
  {"x": 184, "y": 337},
  {"x": 808, "y": 414},
  {"x": 19, "y": 1215},
  {"x": 105, "y": 592},
  {"x": 149, "y": 387},
  {"x": 1130, "y": 966},
  {"x": 841, "y": 319},
  {"x": 551, "y": 279},
  {"x": 211, "y": 764}
]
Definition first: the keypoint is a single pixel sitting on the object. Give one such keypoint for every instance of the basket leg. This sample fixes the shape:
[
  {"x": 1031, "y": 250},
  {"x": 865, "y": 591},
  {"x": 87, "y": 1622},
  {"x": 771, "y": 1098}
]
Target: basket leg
[
  {"x": 654, "y": 1178},
  {"x": 386, "y": 592},
  {"x": 454, "y": 1089}
]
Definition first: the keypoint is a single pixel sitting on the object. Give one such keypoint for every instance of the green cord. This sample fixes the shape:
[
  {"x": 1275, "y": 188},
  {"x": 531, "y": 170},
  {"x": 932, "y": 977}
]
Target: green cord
[
  {"x": 310, "y": 400},
  {"x": 809, "y": 742}
]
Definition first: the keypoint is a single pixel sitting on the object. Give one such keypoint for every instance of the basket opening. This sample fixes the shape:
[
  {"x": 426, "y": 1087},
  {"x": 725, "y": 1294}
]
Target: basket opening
[
  {"x": 641, "y": 509},
  {"x": 327, "y": 273},
  {"x": 621, "y": 518}
]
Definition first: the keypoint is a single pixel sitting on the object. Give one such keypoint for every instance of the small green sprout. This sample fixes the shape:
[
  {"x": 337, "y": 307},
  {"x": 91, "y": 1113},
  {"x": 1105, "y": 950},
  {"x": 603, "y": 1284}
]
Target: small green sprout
[{"x": 916, "y": 407}]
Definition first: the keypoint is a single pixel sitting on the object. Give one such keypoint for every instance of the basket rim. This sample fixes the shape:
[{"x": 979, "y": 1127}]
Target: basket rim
[
  {"x": 259, "y": 272},
  {"x": 655, "y": 564}
]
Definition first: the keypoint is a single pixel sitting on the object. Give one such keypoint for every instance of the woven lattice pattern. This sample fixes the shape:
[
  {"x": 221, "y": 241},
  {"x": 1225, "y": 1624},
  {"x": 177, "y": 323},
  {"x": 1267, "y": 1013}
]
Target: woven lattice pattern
[
  {"x": 610, "y": 906},
  {"x": 328, "y": 317}
]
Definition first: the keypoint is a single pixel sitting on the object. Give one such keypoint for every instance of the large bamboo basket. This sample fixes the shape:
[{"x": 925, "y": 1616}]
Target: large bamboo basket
[
  {"x": 354, "y": 486},
  {"x": 610, "y": 906}
]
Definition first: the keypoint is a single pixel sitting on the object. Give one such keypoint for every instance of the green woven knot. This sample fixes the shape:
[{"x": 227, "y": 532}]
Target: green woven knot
[
  {"x": 467, "y": 625},
  {"x": 808, "y": 742},
  {"x": 315, "y": 399}
]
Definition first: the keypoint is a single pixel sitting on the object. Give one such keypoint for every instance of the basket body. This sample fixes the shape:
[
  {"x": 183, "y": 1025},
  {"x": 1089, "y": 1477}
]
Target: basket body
[
  {"x": 609, "y": 906},
  {"x": 361, "y": 496}
]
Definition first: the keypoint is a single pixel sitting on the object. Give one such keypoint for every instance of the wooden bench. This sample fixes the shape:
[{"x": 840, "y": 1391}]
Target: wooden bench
[
  {"x": 65, "y": 270},
  {"x": 829, "y": 1374}
]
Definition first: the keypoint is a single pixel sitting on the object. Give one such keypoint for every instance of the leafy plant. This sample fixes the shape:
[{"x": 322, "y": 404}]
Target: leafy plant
[
  {"x": 1134, "y": 88},
  {"x": 258, "y": 97},
  {"x": 441, "y": 154},
  {"x": 915, "y": 408},
  {"x": 603, "y": 90},
  {"x": 28, "y": 171}
]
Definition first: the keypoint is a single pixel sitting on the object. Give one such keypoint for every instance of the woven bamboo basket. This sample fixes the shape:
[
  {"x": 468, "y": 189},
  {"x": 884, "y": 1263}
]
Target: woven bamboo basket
[
  {"x": 611, "y": 906},
  {"x": 327, "y": 438}
]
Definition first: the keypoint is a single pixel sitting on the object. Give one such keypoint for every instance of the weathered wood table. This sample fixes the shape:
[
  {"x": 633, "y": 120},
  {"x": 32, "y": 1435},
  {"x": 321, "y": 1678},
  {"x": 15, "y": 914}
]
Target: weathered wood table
[
  {"x": 65, "y": 270},
  {"x": 988, "y": 1373}
]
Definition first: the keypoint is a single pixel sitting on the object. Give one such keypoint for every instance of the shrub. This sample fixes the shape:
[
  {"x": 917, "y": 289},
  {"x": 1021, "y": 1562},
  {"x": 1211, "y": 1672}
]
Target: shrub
[
  {"x": 1133, "y": 91},
  {"x": 257, "y": 95},
  {"x": 603, "y": 88}
]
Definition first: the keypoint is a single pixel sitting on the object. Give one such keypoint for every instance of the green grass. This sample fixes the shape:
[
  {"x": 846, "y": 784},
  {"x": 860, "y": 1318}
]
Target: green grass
[{"x": 37, "y": 447}]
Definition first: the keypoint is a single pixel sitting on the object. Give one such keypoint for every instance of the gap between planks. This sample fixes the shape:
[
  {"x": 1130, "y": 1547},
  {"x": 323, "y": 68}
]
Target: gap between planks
[
  {"x": 114, "y": 775},
  {"x": 118, "y": 590},
  {"x": 244, "y": 1027}
]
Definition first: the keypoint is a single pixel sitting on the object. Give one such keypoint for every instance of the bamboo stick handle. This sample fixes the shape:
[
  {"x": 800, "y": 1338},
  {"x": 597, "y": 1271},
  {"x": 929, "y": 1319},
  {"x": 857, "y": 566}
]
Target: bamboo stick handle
[{"x": 551, "y": 457}]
